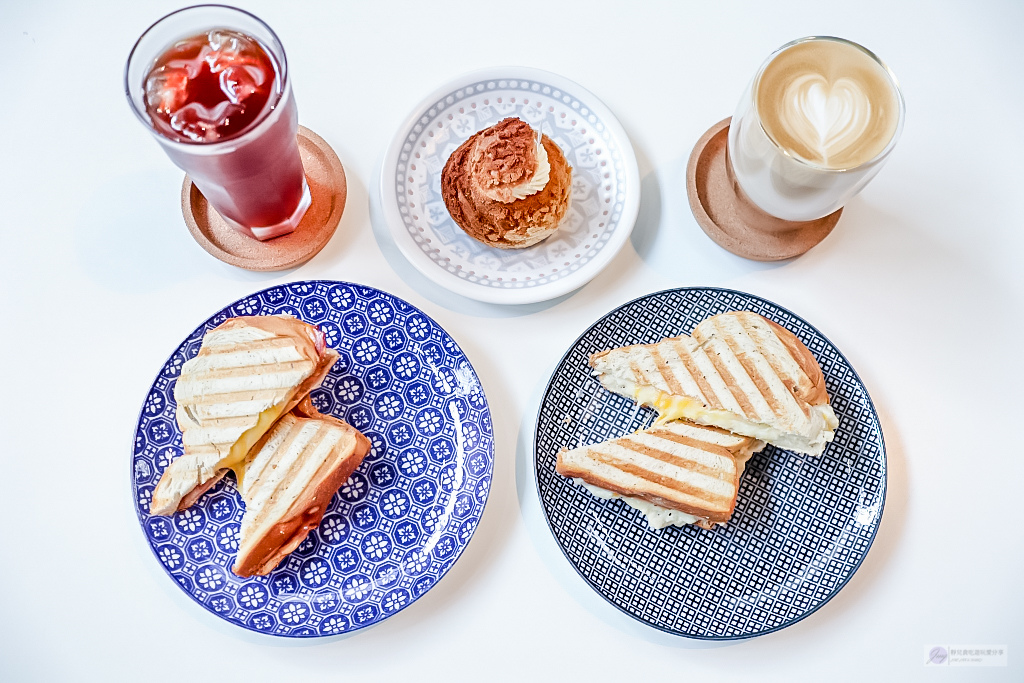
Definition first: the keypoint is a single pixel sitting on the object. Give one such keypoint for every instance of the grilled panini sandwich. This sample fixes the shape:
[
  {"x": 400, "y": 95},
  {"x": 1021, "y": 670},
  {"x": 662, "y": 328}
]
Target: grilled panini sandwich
[
  {"x": 288, "y": 480},
  {"x": 248, "y": 373},
  {"x": 738, "y": 371},
  {"x": 675, "y": 473}
]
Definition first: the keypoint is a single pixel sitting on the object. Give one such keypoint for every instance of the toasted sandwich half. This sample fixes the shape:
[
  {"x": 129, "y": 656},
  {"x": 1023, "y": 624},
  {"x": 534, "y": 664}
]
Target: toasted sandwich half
[
  {"x": 738, "y": 371},
  {"x": 288, "y": 480},
  {"x": 675, "y": 473},
  {"x": 248, "y": 373}
]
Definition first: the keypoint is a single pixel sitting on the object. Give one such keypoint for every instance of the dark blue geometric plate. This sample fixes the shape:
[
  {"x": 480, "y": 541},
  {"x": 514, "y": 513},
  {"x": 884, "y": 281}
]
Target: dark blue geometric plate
[
  {"x": 802, "y": 525},
  {"x": 399, "y": 523}
]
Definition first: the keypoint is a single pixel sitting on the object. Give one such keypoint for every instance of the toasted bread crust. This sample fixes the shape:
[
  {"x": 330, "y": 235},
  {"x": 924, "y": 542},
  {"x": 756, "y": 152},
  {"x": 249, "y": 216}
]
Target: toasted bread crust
[
  {"x": 190, "y": 498},
  {"x": 278, "y": 326},
  {"x": 506, "y": 224},
  {"x": 307, "y": 510},
  {"x": 815, "y": 394}
]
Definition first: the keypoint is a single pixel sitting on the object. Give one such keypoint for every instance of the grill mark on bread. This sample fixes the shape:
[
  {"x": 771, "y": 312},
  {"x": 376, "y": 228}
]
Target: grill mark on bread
[
  {"x": 697, "y": 445},
  {"x": 219, "y": 381},
  {"x": 703, "y": 510},
  {"x": 675, "y": 371},
  {"x": 710, "y": 395},
  {"x": 267, "y": 395},
  {"x": 212, "y": 374},
  {"x": 595, "y": 357},
  {"x": 666, "y": 372},
  {"x": 292, "y": 489},
  {"x": 815, "y": 393},
  {"x": 778, "y": 357},
  {"x": 731, "y": 439},
  {"x": 792, "y": 383},
  {"x": 736, "y": 330},
  {"x": 675, "y": 459},
  {"x": 220, "y": 346},
  {"x": 735, "y": 347},
  {"x": 803, "y": 374},
  {"x": 740, "y": 396},
  {"x": 661, "y": 480},
  {"x": 254, "y": 472},
  {"x": 640, "y": 375}
]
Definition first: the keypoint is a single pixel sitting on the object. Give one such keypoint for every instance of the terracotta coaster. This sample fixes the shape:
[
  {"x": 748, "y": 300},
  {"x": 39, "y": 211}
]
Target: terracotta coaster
[
  {"x": 326, "y": 178},
  {"x": 732, "y": 220}
]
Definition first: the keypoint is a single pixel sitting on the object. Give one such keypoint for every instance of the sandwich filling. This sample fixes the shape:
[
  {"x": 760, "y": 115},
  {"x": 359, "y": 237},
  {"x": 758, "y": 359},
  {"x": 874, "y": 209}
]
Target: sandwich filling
[
  {"x": 822, "y": 420},
  {"x": 657, "y": 517}
]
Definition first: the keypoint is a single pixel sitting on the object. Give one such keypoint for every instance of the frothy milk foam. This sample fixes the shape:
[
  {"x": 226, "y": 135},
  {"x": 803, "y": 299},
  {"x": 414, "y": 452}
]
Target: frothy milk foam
[
  {"x": 828, "y": 103},
  {"x": 813, "y": 128}
]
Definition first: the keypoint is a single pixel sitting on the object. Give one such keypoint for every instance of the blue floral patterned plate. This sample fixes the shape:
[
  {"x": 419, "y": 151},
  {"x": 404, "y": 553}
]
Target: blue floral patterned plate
[
  {"x": 802, "y": 525},
  {"x": 395, "y": 527}
]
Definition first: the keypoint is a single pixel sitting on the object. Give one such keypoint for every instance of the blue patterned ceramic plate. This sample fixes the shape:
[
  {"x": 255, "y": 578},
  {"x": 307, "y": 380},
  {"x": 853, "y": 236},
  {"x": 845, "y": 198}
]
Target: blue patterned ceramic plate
[
  {"x": 802, "y": 525},
  {"x": 605, "y": 187},
  {"x": 399, "y": 523}
]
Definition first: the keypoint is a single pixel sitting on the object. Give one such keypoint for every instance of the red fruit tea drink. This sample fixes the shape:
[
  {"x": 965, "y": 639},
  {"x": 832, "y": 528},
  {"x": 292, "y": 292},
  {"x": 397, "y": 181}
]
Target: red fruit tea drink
[{"x": 217, "y": 98}]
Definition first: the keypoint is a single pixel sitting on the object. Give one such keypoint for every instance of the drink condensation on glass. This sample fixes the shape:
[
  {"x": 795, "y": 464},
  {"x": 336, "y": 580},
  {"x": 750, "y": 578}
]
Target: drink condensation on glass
[
  {"x": 814, "y": 126},
  {"x": 211, "y": 84}
]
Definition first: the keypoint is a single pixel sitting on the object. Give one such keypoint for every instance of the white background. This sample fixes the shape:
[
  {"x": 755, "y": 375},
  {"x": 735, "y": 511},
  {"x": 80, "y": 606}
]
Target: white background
[{"x": 920, "y": 286}]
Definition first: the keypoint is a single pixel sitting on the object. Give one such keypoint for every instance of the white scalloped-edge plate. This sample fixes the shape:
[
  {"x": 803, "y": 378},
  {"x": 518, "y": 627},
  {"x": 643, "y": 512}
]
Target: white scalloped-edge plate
[{"x": 605, "y": 189}]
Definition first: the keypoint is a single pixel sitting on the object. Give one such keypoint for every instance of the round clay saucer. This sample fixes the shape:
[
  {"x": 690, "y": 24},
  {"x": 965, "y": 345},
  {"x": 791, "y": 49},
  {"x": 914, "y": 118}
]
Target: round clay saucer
[
  {"x": 326, "y": 178},
  {"x": 730, "y": 219}
]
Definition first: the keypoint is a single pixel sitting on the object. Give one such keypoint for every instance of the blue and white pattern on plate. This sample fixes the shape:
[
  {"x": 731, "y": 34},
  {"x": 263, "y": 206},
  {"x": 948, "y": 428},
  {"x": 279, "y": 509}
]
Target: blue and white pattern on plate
[
  {"x": 400, "y": 521},
  {"x": 802, "y": 525},
  {"x": 605, "y": 187}
]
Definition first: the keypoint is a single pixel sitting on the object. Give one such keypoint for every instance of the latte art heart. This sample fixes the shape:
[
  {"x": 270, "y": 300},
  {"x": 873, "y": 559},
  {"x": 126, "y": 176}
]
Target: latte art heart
[
  {"x": 828, "y": 118},
  {"x": 827, "y": 103}
]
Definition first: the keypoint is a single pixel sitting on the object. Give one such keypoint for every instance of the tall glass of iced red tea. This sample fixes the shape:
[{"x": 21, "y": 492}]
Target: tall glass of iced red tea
[{"x": 211, "y": 83}]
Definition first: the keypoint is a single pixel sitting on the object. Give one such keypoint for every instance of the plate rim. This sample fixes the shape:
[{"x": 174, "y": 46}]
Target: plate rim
[
  {"x": 565, "y": 285},
  {"x": 307, "y": 636},
  {"x": 884, "y": 466}
]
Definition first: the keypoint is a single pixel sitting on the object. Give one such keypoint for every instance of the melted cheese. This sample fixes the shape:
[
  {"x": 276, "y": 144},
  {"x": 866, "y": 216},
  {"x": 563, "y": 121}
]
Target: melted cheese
[
  {"x": 235, "y": 459},
  {"x": 671, "y": 408},
  {"x": 657, "y": 516}
]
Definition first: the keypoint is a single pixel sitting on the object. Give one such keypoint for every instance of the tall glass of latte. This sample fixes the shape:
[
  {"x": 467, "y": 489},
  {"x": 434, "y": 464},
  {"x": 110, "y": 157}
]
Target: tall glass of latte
[{"x": 815, "y": 124}]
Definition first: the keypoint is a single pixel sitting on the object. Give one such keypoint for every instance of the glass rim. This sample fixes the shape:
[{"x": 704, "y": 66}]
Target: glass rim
[
  {"x": 893, "y": 81},
  {"x": 268, "y": 109}
]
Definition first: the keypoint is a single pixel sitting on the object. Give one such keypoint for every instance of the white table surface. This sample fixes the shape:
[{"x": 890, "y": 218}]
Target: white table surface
[{"x": 920, "y": 286}]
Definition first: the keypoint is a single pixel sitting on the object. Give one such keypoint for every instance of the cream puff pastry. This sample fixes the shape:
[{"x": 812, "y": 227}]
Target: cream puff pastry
[{"x": 508, "y": 186}]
